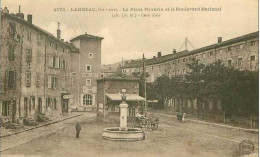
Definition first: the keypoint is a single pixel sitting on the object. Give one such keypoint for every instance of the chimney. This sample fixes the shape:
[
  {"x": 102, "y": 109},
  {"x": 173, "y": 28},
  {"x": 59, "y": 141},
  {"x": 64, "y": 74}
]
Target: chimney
[
  {"x": 219, "y": 39},
  {"x": 58, "y": 31},
  {"x": 62, "y": 40},
  {"x": 29, "y": 18},
  {"x": 153, "y": 57},
  {"x": 6, "y": 11},
  {"x": 174, "y": 51},
  {"x": 159, "y": 54},
  {"x": 19, "y": 14}
]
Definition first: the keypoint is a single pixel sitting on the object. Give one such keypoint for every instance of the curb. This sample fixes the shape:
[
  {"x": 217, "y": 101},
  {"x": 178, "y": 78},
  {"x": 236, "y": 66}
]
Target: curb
[
  {"x": 220, "y": 125},
  {"x": 38, "y": 126}
]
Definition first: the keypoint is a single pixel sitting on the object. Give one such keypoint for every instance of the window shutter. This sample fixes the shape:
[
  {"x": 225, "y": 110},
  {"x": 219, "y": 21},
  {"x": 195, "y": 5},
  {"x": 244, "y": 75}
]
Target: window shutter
[
  {"x": 6, "y": 79},
  {"x": 53, "y": 61},
  {"x": 14, "y": 80},
  {"x": 9, "y": 53}
]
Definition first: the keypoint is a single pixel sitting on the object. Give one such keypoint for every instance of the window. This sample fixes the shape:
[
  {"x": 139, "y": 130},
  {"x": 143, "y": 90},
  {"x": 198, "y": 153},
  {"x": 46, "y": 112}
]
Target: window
[
  {"x": 210, "y": 53},
  {"x": 183, "y": 59},
  {"x": 196, "y": 57},
  {"x": 38, "y": 56},
  {"x": 10, "y": 79},
  {"x": 229, "y": 62},
  {"x": 88, "y": 68},
  {"x": 252, "y": 58},
  {"x": 28, "y": 79},
  {"x": 39, "y": 39},
  {"x": 131, "y": 111},
  {"x": 88, "y": 82},
  {"x": 152, "y": 67},
  {"x": 90, "y": 55},
  {"x": 252, "y": 43},
  {"x": 29, "y": 35},
  {"x": 11, "y": 53},
  {"x": 50, "y": 44},
  {"x": 241, "y": 46},
  {"x": 178, "y": 61},
  {"x": 38, "y": 79},
  {"x": 55, "y": 103},
  {"x": 239, "y": 62},
  {"x": 183, "y": 71},
  {"x": 6, "y": 108},
  {"x": 33, "y": 102},
  {"x": 203, "y": 55},
  {"x": 87, "y": 99},
  {"x": 229, "y": 48},
  {"x": 190, "y": 58},
  {"x": 63, "y": 83},
  {"x": 56, "y": 47},
  {"x": 63, "y": 50},
  {"x": 29, "y": 55},
  {"x": 57, "y": 62},
  {"x": 12, "y": 29},
  {"x": 50, "y": 60},
  {"x": 52, "y": 82}
]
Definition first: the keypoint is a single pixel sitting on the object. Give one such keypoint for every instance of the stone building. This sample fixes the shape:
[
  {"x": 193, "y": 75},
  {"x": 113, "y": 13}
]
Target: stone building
[
  {"x": 89, "y": 69},
  {"x": 240, "y": 52},
  {"x": 39, "y": 71},
  {"x": 109, "y": 92}
]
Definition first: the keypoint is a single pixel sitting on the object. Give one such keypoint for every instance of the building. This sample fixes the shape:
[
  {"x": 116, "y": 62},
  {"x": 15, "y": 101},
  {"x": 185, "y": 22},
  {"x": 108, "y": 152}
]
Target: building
[
  {"x": 241, "y": 52},
  {"x": 89, "y": 69},
  {"x": 109, "y": 92},
  {"x": 40, "y": 73}
]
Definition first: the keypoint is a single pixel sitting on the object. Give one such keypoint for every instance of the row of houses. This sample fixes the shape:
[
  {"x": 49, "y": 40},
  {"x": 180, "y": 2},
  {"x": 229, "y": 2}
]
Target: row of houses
[
  {"x": 43, "y": 74},
  {"x": 240, "y": 52}
]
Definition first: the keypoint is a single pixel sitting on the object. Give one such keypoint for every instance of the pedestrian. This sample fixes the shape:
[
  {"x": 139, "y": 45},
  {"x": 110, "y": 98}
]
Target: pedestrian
[{"x": 78, "y": 128}]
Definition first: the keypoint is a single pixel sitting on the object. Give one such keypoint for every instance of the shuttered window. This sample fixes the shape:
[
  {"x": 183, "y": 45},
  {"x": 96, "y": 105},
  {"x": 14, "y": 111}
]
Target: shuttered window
[
  {"x": 10, "y": 79},
  {"x": 11, "y": 53},
  {"x": 28, "y": 79},
  {"x": 12, "y": 29},
  {"x": 38, "y": 79},
  {"x": 29, "y": 55}
]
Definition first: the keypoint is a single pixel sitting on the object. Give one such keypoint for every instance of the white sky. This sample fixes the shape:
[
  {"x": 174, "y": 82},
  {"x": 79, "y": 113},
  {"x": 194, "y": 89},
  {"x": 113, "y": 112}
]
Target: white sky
[{"x": 129, "y": 38}]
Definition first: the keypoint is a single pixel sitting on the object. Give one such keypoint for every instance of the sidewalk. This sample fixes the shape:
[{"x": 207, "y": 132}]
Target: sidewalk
[
  {"x": 15, "y": 139},
  {"x": 193, "y": 119},
  {"x": 9, "y": 132}
]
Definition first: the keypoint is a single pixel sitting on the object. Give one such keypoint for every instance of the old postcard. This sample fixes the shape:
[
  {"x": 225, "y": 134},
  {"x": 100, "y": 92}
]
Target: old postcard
[{"x": 129, "y": 78}]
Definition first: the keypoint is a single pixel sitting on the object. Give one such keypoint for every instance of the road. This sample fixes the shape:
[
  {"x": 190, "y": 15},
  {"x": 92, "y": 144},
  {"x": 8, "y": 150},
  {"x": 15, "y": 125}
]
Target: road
[{"x": 171, "y": 139}]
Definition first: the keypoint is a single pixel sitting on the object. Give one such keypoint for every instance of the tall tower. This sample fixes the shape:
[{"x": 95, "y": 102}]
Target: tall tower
[{"x": 89, "y": 69}]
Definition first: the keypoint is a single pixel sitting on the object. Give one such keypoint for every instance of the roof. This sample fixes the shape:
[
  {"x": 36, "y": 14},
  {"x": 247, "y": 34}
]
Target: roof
[
  {"x": 86, "y": 36},
  {"x": 36, "y": 28},
  {"x": 169, "y": 57},
  {"x": 129, "y": 97}
]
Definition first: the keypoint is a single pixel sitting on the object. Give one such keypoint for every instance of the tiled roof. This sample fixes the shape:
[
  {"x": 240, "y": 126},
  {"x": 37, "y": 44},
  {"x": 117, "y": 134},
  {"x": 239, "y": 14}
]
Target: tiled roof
[
  {"x": 169, "y": 57},
  {"x": 36, "y": 28},
  {"x": 86, "y": 36}
]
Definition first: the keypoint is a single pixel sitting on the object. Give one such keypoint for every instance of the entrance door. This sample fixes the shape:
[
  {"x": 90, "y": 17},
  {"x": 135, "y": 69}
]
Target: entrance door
[
  {"x": 65, "y": 107},
  {"x": 40, "y": 105},
  {"x": 13, "y": 111}
]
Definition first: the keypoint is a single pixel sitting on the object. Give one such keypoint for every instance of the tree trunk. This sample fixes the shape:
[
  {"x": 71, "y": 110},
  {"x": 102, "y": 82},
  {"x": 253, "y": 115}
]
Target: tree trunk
[
  {"x": 224, "y": 116},
  {"x": 251, "y": 120},
  {"x": 201, "y": 111},
  {"x": 192, "y": 105}
]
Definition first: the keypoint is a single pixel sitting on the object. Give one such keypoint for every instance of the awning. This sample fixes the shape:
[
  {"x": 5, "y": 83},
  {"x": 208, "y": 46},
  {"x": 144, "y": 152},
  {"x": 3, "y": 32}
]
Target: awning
[{"x": 129, "y": 97}]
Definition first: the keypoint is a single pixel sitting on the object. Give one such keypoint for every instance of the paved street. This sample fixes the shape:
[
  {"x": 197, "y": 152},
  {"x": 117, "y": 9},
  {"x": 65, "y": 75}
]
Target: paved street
[{"x": 171, "y": 139}]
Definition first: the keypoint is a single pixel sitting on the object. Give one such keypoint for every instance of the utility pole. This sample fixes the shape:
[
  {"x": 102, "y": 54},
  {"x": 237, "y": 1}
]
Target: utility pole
[{"x": 144, "y": 79}]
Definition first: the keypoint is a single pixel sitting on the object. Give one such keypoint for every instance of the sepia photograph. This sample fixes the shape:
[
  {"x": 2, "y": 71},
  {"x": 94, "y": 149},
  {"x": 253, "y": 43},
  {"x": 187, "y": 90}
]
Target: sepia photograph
[{"x": 129, "y": 78}]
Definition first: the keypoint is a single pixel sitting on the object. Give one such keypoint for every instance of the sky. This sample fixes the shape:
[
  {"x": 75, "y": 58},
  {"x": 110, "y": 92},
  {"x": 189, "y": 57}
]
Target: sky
[{"x": 130, "y": 38}]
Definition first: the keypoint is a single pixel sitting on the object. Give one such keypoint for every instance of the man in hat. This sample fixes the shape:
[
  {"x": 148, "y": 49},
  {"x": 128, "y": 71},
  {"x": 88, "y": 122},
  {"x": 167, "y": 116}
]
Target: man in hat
[{"x": 78, "y": 128}]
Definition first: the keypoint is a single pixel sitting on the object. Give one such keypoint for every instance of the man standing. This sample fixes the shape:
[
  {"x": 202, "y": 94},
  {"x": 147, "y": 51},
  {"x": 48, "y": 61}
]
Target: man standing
[{"x": 78, "y": 128}]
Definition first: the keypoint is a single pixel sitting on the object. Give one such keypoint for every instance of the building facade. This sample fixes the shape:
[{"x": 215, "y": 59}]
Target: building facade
[
  {"x": 241, "y": 53},
  {"x": 109, "y": 92},
  {"x": 39, "y": 71}
]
